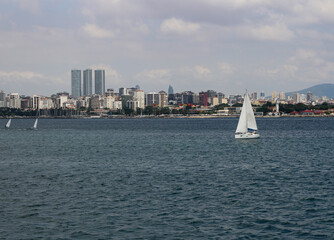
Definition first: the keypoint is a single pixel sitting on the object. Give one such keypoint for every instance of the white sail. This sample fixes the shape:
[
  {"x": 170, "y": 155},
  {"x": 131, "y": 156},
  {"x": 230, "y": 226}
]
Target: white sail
[
  {"x": 242, "y": 124},
  {"x": 247, "y": 118},
  {"x": 35, "y": 124},
  {"x": 8, "y": 123}
]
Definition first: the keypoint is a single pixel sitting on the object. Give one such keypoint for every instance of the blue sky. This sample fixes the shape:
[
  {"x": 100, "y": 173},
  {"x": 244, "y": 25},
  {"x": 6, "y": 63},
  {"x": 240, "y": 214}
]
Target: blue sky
[{"x": 225, "y": 45}]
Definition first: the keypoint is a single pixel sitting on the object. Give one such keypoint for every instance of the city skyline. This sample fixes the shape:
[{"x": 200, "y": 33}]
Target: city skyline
[{"x": 195, "y": 45}]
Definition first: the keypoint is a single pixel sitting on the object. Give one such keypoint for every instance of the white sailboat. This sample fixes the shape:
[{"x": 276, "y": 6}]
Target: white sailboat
[
  {"x": 35, "y": 124},
  {"x": 8, "y": 123},
  {"x": 247, "y": 128}
]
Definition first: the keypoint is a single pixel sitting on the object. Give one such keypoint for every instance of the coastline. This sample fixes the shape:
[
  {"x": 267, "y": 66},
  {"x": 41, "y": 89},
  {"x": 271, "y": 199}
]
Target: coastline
[{"x": 161, "y": 117}]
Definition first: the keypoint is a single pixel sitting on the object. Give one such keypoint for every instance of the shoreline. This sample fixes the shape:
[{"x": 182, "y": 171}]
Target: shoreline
[{"x": 162, "y": 117}]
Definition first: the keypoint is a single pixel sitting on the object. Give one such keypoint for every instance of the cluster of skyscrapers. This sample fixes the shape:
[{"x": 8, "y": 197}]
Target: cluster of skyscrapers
[{"x": 85, "y": 88}]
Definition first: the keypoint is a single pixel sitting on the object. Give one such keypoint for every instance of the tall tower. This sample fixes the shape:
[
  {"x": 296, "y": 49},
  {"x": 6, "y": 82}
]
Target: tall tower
[
  {"x": 99, "y": 82},
  {"x": 87, "y": 82},
  {"x": 171, "y": 93},
  {"x": 76, "y": 83}
]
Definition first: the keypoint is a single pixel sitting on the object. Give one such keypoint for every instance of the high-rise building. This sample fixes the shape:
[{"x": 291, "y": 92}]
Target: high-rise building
[
  {"x": 124, "y": 91},
  {"x": 170, "y": 90},
  {"x": 187, "y": 97},
  {"x": 76, "y": 83},
  {"x": 2, "y": 96},
  {"x": 87, "y": 82},
  {"x": 309, "y": 96},
  {"x": 99, "y": 82},
  {"x": 203, "y": 99},
  {"x": 139, "y": 96},
  {"x": 274, "y": 95},
  {"x": 262, "y": 95},
  {"x": 254, "y": 96},
  {"x": 163, "y": 99},
  {"x": 14, "y": 100},
  {"x": 152, "y": 99},
  {"x": 282, "y": 96},
  {"x": 296, "y": 97}
]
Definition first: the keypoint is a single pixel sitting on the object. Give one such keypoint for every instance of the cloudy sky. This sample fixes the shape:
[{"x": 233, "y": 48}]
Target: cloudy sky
[{"x": 224, "y": 45}]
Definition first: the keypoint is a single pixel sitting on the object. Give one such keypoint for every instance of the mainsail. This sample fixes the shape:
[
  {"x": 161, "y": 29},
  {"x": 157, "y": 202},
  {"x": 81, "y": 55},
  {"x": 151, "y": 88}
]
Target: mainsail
[
  {"x": 247, "y": 119},
  {"x": 35, "y": 124},
  {"x": 8, "y": 123}
]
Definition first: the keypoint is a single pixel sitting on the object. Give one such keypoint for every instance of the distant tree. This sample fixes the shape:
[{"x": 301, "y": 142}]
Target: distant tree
[
  {"x": 149, "y": 110},
  {"x": 128, "y": 111},
  {"x": 221, "y": 106},
  {"x": 300, "y": 107},
  {"x": 237, "y": 105},
  {"x": 165, "y": 110}
]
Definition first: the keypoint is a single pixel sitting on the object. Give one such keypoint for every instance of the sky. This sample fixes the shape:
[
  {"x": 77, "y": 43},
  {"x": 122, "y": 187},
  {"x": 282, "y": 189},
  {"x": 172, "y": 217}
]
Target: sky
[{"x": 195, "y": 45}]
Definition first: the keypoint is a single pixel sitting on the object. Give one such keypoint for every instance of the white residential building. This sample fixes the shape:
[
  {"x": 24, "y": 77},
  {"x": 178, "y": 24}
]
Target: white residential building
[
  {"x": 14, "y": 100},
  {"x": 139, "y": 96}
]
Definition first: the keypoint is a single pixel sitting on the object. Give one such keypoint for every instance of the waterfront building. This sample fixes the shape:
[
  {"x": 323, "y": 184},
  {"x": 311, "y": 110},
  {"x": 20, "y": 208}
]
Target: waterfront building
[
  {"x": 35, "y": 101},
  {"x": 132, "y": 104},
  {"x": 124, "y": 91},
  {"x": 87, "y": 82},
  {"x": 163, "y": 99},
  {"x": 76, "y": 83},
  {"x": 139, "y": 96},
  {"x": 14, "y": 100},
  {"x": 152, "y": 99},
  {"x": 96, "y": 101},
  {"x": 112, "y": 103},
  {"x": 61, "y": 100},
  {"x": 187, "y": 97},
  {"x": 81, "y": 103},
  {"x": 99, "y": 82},
  {"x": 125, "y": 99},
  {"x": 45, "y": 103},
  {"x": 203, "y": 99},
  {"x": 110, "y": 92},
  {"x": 2, "y": 99},
  {"x": 26, "y": 102}
]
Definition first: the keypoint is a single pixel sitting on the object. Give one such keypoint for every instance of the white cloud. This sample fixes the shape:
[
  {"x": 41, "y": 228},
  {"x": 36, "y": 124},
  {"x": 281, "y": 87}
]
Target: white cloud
[
  {"x": 155, "y": 75},
  {"x": 226, "y": 68},
  {"x": 178, "y": 26},
  {"x": 276, "y": 32},
  {"x": 96, "y": 31},
  {"x": 201, "y": 71},
  {"x": 19, "y": 76}
]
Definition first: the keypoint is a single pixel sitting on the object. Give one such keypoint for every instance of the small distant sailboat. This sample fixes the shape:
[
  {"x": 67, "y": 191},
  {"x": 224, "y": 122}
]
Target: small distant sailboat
[
  {"x": 8, "y": 123},
  {"x": 247, "y": 128},
  {"x": 35, "y": 124}
]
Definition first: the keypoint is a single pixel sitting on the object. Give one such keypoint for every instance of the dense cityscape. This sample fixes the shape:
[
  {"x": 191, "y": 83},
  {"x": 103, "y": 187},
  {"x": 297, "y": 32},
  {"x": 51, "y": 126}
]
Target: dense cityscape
[{"x": 133, "y": 101}]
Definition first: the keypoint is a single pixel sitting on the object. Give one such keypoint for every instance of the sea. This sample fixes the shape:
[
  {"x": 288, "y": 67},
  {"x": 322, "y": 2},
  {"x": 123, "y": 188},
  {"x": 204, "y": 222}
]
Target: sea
[{"x": 166, "y": 179}]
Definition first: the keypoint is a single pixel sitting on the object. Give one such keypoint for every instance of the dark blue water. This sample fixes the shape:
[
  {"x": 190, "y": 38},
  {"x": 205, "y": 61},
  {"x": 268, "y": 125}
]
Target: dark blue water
[{"x": 166, "y": 179}]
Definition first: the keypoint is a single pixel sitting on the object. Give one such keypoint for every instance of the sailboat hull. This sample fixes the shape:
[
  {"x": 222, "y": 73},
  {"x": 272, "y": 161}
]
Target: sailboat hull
[{"x": 247, "y": 135}]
